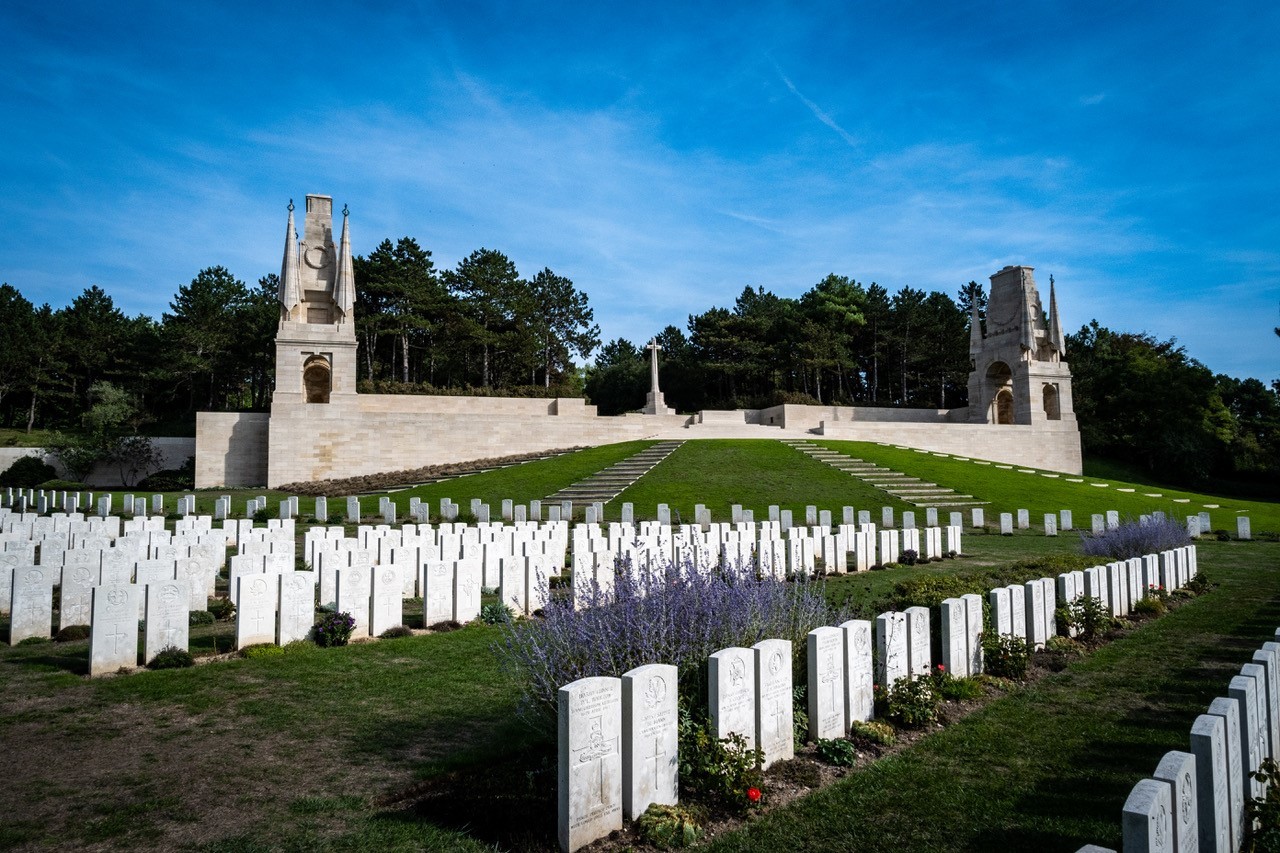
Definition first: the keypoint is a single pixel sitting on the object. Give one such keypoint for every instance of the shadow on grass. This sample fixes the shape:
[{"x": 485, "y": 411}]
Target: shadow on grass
[{"x": 73, "y": 659}]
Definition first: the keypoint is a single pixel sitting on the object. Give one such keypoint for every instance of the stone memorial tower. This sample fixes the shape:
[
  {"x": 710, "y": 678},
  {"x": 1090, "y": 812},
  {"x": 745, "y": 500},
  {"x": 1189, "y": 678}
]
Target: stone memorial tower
[
  {"x": 316, "y": 340},
  {"x": 1019, "y": 375}
]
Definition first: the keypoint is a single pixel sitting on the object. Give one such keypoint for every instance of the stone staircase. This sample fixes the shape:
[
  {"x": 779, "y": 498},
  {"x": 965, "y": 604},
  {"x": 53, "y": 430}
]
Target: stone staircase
[
  {"x": 913, "y": 490},
  {"x": 604, "y": 486}
]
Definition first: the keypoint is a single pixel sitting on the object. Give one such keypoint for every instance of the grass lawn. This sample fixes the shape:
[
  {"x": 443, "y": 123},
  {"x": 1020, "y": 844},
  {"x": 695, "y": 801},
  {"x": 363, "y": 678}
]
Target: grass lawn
[
  {"x": 1008, "y": 490},
  {"x": 753, "y": 472},
  {"x": 414, "y": 743}
]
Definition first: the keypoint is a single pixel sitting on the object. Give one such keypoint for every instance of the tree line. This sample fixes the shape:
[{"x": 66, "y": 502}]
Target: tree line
[{"x": 482, "y": 328}]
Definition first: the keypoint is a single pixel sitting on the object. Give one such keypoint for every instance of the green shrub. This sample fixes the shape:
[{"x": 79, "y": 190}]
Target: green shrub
[
  {"x": 667, "y": 827},
  {"x": 1064, "y": 645},
  {"x": 495, "y": 613},
  {"x": 262, "y": 516},
  {"x": 1199, "y": 584},
  {"x": 72, "y": 634},
  {"x": 1264, "y": 812},
  {"x": 445, "y": 626},
  {"x": 34, "y": 641},
  {"x": 222, "y": 608},
  {"x": 334, "y": 629},
  {"x": 954, "y": 689},
  {"x": 27, "y": 473},
  {"x": 872, "y": 732},
  {"x": 397, "y": 631},
  {"x": 200, "y": 617},
  {"x": 1149, "y": 607},
  {"x": 261, "y": 650},
  {"x": 837, "y": 751},
  {"x": 1004, "y": 656},
  {"x": 1089, "y": 617},
  {"x": 717, "y": 772},
  {"x": 62, "y": 486},
  {"x": 800, "y": 715},
  {"x": 909, "y": 702},
  {"x": 171, "y": 479},
  {"x": 171, "y": 657}
]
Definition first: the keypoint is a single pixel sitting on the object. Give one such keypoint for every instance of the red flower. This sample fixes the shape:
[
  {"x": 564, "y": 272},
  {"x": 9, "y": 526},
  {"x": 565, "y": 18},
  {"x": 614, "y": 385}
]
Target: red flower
[
  {"x": 941, "y": 668},
  {"x": 753, "y": 794}
]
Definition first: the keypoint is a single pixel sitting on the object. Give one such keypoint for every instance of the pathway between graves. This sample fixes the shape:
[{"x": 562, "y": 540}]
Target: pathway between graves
[
  {"x": 604, "y": 486},
  {"x": 913, "y": 490}
]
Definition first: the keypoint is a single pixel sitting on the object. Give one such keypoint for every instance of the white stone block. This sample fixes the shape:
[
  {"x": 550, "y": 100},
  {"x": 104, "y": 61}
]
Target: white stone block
[
  {"x": 297, "y": 591},
  {"x": 113, "y": 639},
  {"x": 774, "y": 712},
  {"x": 1179, "y": 770},
  {"x": 1147, "y": 819},
  {"x": 859, "y": 674},
  {"x": 1213, "y": 800},
  {"x": 826, "y": 687},
  {"x": 589, "y": 789},
  {"x": 731, "y": 693},
  {"x": 30, "y": 602},
  {"x": 891, "y": 648},
  {"x": 1228, "y": 710}
]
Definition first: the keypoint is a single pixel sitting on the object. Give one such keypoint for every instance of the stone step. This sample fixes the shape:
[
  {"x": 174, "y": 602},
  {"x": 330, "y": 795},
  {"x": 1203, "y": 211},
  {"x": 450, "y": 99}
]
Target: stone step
[{"x": 604, "y": 486}]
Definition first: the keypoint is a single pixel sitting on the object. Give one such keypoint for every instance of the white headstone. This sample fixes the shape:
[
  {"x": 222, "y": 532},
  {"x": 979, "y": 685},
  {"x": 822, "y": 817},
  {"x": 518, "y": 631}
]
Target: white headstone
[
  {"x": 1024, "y": 519},
  {"x": 1208, "y": 745},
  {"x": 919, "y": 652},
  {"x": 589, "y": 780},
  {"x": 774, "y": 717},
  {"x": 1006, "y": 524},
  {"x": 386, "y": 608},
  {"x": 1147, "y": 819},
  {"x": 113, "y": 639},
  {"x": 1228, "y": 710},
  {"x": 650, "y": 755},
  {"x": 825, "y": 649},
  {"x": 168, "y": 617},
  {"x": 1179, "y": 770},
  {"x": 979, "y": 517},
  {"x": 955, "y": 642},
  {"x": 31, "y": 603},
  {"x": 1244, "y": 691},
  {"x": 297, "y": 606},
  {"x": 731, "y": 693},
  {"x": 858, "y": 671},
  {"x": 256, "y": 610},
  {"x": 891, "y": 648},
  {"x": 1242, "y": 527}
]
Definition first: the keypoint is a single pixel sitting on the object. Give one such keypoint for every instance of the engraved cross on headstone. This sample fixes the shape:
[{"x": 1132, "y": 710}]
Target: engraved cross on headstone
[
  {"x": 830, "y": 676},
  {"x": 658, "y": 754}
]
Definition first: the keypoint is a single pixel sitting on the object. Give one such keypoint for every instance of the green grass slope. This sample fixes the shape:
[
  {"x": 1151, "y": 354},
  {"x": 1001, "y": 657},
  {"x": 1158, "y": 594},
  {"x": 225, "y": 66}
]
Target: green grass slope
[
  {"x": 753, "y": 472},
  {"x": 1009, "y": 490}
]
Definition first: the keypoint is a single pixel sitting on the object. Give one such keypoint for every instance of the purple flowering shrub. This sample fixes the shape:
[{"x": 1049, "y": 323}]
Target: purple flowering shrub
[
  {"x": 1134, "y": 539},
  {"x": 675, "y": 616}
]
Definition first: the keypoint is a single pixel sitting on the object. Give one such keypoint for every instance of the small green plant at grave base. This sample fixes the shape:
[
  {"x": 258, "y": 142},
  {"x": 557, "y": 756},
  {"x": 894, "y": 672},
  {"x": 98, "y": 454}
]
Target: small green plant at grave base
[
  {"x": 200, "y": 617},
  {"x": 262, "y": 516},
  {"x": 910, "y": 702},
  {"x": 1089, "y": 617},
  {"x": 1064, "y": 645},
  {"x": 838, "y": 752},
  {"x": 261, "y": 650},
  {"x": 668, "y": 827},
  {"x": 222, "y": 608},
  {"x": 954, "y": 689},
  {"x": 908, "y": 557},
  {"x": 717, "y": 772},
  {"x": 34, "y": 641},
  {"x": 334, "y": 629},
  {"x": 891, "y": 565},
  {"x": 495, "y": 613},
  {"x": 1149, "y": 607},
  {"x": 73, "y": 633},
  {"x": 872, "y": 733},
  {"x": 488, "y": 590},
  {"x": 445, "y": 626},
  {"x": 397, "y": 631},
  {"x": 800, "y": 715},
  {"x": 1005, "y": 657},
  {"x": 1264, "y": 812},
  {"x": 1199, "y": 584},
  {"x": 171, "y": 657}
]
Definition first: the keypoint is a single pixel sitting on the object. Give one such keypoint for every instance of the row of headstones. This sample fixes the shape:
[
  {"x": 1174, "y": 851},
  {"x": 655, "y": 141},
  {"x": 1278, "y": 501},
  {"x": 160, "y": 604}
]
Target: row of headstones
[
  {"x": 1195, "y": 800},
  {"x": 618, "y": 738},
  {"x": 750, "y": 694},
  {"x": 765, "y": 547}
]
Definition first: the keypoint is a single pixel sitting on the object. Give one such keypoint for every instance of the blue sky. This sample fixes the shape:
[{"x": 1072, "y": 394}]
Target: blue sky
[{"x": 666, "y": 156}]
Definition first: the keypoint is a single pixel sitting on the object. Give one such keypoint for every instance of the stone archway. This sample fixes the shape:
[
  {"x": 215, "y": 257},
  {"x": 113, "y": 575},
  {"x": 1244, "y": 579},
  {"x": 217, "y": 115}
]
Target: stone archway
[
  {"x": 999, "y": 385},
  {"x": 1052, "y": 404},
  {"x": 317, "y": 379}
]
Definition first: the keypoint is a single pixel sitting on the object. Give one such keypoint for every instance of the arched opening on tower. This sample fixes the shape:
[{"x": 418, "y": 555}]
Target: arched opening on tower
[
  {"x": 317, "y": 379},
  {"x": 999, "y": 381},
  {"x": 1052, "y": 405}
]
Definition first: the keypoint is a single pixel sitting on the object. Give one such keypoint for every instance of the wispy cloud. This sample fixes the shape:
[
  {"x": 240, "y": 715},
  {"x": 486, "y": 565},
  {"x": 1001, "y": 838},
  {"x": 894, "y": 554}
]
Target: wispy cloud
[{"x": 819, "y": 113}]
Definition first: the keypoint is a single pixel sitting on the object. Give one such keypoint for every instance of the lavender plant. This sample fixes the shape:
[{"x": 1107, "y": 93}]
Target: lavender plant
[
  {"x": 676, "y": 615},
  {"x": 1134, "y": 539}
]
